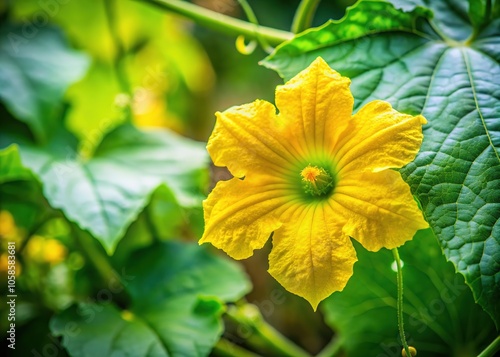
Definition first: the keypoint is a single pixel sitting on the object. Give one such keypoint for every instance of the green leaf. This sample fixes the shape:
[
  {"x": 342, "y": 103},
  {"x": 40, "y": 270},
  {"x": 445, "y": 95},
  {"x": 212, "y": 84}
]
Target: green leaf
[
  {"x": 436, "y": 68},
  {"x": 364, "y": 20},
  {"x": 441, "y": 318},
  {"x": 105, "y": 193},
  {"x": 36, "y": 68},
  {"x": 177, "y": 292},
  {"x": 20, "y": 192},
  {"x": 11, "y": 168}
]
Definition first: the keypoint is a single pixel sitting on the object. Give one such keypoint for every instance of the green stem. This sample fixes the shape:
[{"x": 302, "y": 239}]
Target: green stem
[
  {"x": 332, "y": 349},
  {"x": 491, "y": 349},
  {"x": 248, "y": 12},
  {"x": 488, "y": 10},
  {"x": 119, "y": 64},
  {"x": 225, "y": 348},
  {"x": 261, "y": 334},
  {"x": 101, "y": 263},
  {"x": 304, "y": 15},
  {"x": 223, "y": 23},
  {"x": 400, "y": 302}
]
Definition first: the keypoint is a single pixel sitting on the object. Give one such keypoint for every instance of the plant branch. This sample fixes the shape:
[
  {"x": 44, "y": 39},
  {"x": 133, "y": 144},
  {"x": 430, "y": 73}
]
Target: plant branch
[
  {"x": 304, "y": 15},
  {"x": 223, "y": 23},
  {"x": 491, "y": 349},
  {"x": 400, "y": 302}
]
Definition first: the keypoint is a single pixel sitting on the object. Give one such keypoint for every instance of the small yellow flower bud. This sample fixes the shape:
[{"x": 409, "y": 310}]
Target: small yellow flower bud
[
  {"x": 317, "y": 181},
  {"x": 413, "y": 351}
]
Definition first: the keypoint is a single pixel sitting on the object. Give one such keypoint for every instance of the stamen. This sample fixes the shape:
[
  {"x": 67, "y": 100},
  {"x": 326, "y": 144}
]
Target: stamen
[{"x": 316, "y": 180}]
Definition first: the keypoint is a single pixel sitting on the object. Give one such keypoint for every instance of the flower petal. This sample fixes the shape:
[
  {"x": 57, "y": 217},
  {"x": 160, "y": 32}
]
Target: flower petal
[
  {"x": 379, "y": 209},
  {"x": 239, "y": 215},
  {"x": 311, "y": 256},
  {"x": 379, "y": 138},
  {"x": 247, "y": 138},
  {"x": 315, "y": 105}
]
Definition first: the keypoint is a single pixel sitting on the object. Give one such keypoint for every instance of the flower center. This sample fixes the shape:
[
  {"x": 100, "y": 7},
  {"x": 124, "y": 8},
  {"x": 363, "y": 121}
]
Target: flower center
[{"x": 317, "y": 181}]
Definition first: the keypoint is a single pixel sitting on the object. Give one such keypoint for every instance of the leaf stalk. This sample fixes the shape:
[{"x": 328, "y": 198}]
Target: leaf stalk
[
  {"x": 400, "y": 301},
  {"x": 222, "y": 23},
  {"x": 304, "y": 15},
  {"x": 491, "y": 349}
]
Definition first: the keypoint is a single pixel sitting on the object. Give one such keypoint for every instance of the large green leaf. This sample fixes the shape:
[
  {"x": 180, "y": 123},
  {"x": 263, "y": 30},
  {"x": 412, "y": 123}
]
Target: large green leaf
[
  {"x": 444, "y": 69},
  {"x": 105, "y": 193},
  {"x": 177, "y": 292},
  {"x": 440, "y": 318},
  {"x": 36, "y": 68}
]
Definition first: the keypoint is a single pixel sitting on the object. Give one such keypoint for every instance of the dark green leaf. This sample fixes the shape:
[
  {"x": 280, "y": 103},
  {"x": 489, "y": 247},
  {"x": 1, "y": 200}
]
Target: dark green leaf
[
  {"x": 105, "y": 193},
  {"x": 177, "y": 293},
  {"x": 477, "y": 12},
  {"x": 363, "y": 20},
  {"x": 36, "y": 68},
  {"x": 441, "y": 318},
  {"x": 449, "y": 73}
]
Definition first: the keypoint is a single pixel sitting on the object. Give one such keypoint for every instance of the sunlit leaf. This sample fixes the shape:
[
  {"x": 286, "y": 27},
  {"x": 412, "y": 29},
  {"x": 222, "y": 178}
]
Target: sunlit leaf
[{"x": 105, "y": 193}]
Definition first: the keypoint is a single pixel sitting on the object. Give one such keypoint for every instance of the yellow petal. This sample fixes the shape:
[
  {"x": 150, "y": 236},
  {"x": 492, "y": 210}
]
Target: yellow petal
[
  {"x": 311, "y": 256},
  {"x": 315, "y": 105},
  {"x": 247, "y": 138},
  {"x": 240, "y": 214},
  {"x": 379, "y": 138},
  {"x": 379, "y": 209}
]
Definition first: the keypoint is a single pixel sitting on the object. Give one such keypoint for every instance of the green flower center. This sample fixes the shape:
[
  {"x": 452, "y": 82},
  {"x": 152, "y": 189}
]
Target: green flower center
[{"x": 317, "y": 181}]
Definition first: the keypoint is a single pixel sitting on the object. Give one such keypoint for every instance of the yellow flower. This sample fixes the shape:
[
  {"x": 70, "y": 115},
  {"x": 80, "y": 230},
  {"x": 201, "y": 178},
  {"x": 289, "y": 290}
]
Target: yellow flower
[
  {"x": 315, "y": 175},
  {"x": 45, "y": 250},
  {"x": 9, "y": 232}
]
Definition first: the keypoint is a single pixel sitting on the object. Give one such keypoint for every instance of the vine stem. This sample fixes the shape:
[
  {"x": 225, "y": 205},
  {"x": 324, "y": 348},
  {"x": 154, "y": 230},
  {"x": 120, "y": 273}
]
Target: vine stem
[
  {"x": 491, "y": 349},
  {"x": 99, "y": 260},
  {"x": 226, "y": 348},
  {"x": 223, "y": 23},
  {"x": 259, "y": 333},
  {"x": 400, "y": 301},
  {"x": 304, "y": 15},
  {"x": 332, "y": 349}
]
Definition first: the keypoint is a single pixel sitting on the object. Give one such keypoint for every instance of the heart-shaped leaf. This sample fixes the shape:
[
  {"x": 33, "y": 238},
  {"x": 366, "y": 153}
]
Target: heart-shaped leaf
[{"x": 105, "y": 193}]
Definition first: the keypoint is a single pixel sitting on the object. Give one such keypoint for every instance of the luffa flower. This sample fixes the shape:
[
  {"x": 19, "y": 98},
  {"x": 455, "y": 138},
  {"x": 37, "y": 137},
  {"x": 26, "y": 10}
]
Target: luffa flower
[{"x": 315, "y": 175}]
